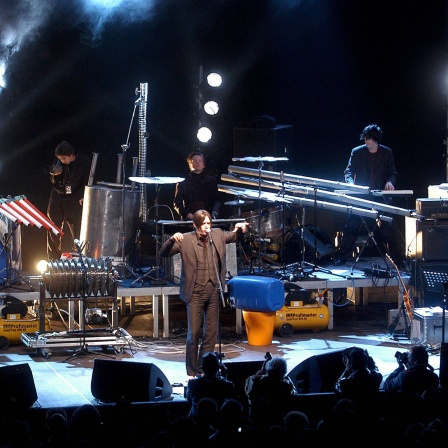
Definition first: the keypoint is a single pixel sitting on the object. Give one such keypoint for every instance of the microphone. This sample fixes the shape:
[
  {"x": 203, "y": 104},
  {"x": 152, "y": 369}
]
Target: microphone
[{"x": 209, "y": 232}]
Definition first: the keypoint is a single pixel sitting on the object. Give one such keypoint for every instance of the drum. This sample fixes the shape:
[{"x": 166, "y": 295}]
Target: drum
[
  {"x": 268, "y": 223},
  {"x": 102, "y": 221}
]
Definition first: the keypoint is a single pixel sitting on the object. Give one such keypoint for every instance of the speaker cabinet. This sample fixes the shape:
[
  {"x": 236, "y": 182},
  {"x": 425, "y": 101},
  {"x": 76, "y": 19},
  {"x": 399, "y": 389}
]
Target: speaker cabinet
[
  {"x": 318, "y": 373},
  {"x": 113, "y": 381},
  {"x": 18, "y": 388},
  {"x": 274, "y": 142},
  {"x": 238, "y": 372},
  {"x": 427, "y": 240}
]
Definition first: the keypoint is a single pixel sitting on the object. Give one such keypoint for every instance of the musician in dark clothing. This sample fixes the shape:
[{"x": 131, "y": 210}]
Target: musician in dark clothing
[
  {"x": 198, "y": 191},
  {"x": 371, "y": 164},
  {"x": 69, "y": 176},
  {"x": 203, "y": 255}
]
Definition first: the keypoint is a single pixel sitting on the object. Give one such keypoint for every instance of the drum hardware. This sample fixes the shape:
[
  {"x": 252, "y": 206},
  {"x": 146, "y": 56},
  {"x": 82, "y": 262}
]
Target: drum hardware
[
  {"x": 370, "y": 237},
  {"x": 238, "y": 203},
  {"x": 126, "y": 270},
  {"x": 260, "y": 166},
  {"x": 158, "y": 181}
]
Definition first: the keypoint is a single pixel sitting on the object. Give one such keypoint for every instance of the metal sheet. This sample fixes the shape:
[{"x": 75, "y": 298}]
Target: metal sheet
[{"x": 105, "y": 220}]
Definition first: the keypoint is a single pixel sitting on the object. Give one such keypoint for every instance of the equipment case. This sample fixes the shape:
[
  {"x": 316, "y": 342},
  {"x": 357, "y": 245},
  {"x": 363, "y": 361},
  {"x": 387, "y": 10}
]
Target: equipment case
[{"x": 427, "y": 325}]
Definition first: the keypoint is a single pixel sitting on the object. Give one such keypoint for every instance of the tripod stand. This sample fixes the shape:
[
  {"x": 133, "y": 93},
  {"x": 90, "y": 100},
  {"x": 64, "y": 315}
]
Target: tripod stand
[
  {"x": 306, "y": 269},
  {"x": 157, "y": 280},
  {"x": 370, "y": 237},
  {"x": 157, "y": 181}
]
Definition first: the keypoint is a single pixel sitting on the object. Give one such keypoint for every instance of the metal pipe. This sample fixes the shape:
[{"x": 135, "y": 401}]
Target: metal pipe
[
  {"x": 134, "y": 171},
  {"x": 119, "y": 168},
  {"x": 92, "y": 168}
]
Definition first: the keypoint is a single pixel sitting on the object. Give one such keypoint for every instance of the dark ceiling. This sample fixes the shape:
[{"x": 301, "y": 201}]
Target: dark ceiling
[{"x": 325, "y": 67}]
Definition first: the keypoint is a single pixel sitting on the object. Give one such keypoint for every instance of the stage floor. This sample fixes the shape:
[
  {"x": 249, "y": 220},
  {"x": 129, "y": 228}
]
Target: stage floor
[{"x": 63, "y": 377}]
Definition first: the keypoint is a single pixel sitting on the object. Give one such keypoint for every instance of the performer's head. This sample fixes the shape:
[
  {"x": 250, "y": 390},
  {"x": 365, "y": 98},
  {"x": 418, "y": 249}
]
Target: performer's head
[
  {"x": 65, "y": 153},
  {"x": 372, "y": 131},
  {"x": 196, "y": 161},
  {"x": 64, "y": 149},
  {"x": 202, "y": 221}
]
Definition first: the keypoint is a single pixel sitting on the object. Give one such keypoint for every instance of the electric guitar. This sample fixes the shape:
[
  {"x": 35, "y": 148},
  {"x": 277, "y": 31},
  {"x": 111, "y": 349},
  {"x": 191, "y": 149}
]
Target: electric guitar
[{"x": 406, "y": 300}]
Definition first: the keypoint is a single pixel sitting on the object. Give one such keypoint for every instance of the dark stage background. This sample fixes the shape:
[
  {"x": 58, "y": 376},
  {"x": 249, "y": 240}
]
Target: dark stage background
[{"x": 325, "y": 67}]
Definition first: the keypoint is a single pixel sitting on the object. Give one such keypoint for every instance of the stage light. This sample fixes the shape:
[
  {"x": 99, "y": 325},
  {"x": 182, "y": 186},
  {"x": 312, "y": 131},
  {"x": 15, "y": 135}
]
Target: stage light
[
  {"x": 214, "y": 79},
  {"x": 211, "y": 107},
  {"x": 208, "y": 102},
  {"x": 204, "y": 134},
  {"x": 42, "y": 266}
]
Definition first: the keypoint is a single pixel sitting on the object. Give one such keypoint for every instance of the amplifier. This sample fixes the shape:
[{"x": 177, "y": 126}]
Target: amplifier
[
  {"x": 432, "y": 208},
  {"x": 427, "y": 240}
]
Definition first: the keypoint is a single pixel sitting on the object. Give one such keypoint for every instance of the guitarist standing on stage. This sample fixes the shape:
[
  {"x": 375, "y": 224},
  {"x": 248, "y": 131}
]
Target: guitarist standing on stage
[{"x": 371, "y": 164}]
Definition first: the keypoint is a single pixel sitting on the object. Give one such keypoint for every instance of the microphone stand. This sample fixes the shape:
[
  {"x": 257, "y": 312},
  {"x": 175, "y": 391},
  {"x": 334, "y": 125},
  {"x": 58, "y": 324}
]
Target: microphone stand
[{"x": 220, "y": 291}]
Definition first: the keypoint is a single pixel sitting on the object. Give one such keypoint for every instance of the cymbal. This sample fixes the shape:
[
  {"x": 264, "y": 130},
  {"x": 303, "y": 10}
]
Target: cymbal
[
  {"x": 157, "y": 180},
  {"x": 238, "y": 202},
  {"x": 260, "y": 159}
]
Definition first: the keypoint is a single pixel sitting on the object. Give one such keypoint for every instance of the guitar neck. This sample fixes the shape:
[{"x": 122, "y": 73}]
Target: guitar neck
[{"x": 406, "y": 299}]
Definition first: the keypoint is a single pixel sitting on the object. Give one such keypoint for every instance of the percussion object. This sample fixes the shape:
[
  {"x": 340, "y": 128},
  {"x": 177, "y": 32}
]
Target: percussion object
[
  {"x": 238, "y": 202},
  {"x": 104, "y": 235},
  {"x": 271, "y": 223},
  {"x": 157, "y": 180},
  {"x": 260, "y": 159}
]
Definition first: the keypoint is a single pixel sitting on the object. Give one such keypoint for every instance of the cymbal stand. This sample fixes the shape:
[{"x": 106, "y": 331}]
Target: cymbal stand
[
  {"x": 308, "y": 269},
  {"x": 157, "y": 280},
  {"x": 127, "y": 271},
  {"x": 370, "y": 236},
  {"x": 259, "y": 239},
  {"x": 281, "y": 193}
]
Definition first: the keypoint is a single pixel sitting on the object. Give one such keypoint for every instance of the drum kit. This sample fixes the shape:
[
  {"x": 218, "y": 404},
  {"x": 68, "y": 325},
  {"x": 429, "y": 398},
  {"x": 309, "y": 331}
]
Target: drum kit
[
  {"x": 270, "y": 228},
  {"x": 157, "y": 181}
]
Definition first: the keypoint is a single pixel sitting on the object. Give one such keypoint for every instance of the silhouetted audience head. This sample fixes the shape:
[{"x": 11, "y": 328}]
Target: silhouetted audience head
[
  {"x": 276, "y": 367},
  {"x": 210, "y": 364}
]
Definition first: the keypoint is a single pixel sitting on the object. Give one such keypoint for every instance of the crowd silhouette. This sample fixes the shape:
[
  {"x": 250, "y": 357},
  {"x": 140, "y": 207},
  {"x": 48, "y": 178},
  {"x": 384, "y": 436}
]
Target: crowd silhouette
[{"x": 417, "y": 419}]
